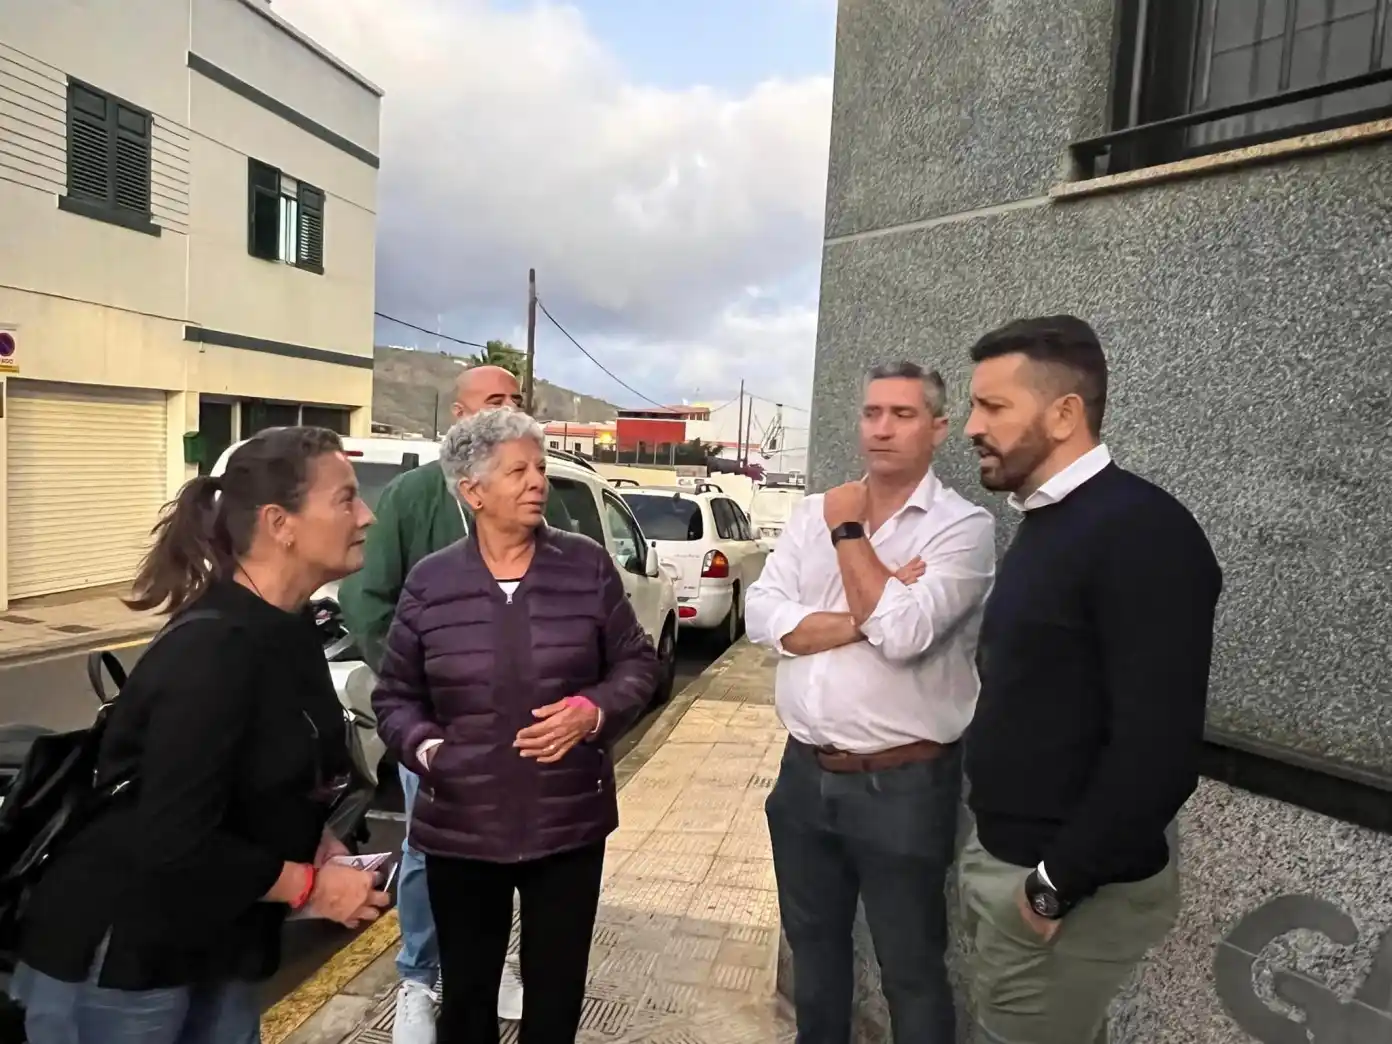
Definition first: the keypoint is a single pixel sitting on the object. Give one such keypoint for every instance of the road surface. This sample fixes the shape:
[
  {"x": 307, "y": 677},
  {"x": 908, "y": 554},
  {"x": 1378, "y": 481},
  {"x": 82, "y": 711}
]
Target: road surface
[{"x": 57, "y": 695}]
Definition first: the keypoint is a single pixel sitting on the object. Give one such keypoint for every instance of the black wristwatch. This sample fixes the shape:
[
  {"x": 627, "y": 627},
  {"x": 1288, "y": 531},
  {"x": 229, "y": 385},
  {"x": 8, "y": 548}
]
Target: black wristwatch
[
  {"x": 1043, "y": 900},
  {"x": 847, "y": 531}
]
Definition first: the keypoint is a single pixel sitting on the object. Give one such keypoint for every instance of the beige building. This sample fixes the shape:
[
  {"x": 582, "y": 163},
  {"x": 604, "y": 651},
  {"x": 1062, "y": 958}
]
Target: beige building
[
  {"x": 574, "y": 437},
  {"x": 187, "y": 218}
]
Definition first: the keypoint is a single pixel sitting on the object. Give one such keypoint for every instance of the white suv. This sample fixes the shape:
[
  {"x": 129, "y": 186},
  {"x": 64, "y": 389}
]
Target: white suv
[
  {"x": 595, "y": 511},
  {"x": 708, "y": 542}
]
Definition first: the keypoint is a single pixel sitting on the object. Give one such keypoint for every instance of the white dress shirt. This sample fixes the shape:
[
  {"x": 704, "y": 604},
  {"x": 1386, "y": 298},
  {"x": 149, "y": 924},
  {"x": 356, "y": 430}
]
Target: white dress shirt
[
  {"x": 914, "y": 678},
  {"x": 1089, "y": 465}
]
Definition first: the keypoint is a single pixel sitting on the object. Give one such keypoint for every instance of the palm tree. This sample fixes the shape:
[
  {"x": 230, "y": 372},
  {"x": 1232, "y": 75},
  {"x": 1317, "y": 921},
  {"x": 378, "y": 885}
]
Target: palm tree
[{"x": 500, "y": 353}]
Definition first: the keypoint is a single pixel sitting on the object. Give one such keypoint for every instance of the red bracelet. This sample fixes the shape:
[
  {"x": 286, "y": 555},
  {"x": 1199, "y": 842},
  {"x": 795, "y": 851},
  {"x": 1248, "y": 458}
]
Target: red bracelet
[{"x": 310, "y": 876}]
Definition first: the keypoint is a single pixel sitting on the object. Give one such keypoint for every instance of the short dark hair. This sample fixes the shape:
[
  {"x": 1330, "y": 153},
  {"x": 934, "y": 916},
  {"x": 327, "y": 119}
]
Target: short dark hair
[
  {"x": 1064, "y": 345},
  {"x": 934, "y": 387}
]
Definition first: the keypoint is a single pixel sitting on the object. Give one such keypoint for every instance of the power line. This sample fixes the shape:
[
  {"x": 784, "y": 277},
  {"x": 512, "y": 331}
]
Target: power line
[
  {"x": 617, "y": 380},
  {"x": 432, "y": 333},
  {"x": 775, "y": 402}
]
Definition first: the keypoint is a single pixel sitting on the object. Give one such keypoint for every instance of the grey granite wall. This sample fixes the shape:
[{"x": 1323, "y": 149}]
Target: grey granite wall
[
  {"x": 1285, "y": 936},
  {"x": 942, "y": 106},
  {"x": 1248, "y": 321}
]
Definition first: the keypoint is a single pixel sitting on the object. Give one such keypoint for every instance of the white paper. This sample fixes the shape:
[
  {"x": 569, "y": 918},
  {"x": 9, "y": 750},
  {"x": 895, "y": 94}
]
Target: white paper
[{"x": 377, "y": 861}]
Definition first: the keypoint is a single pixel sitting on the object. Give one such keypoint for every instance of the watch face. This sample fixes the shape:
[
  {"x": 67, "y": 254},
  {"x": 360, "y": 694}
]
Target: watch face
[{"x": 1042, "y": 906}]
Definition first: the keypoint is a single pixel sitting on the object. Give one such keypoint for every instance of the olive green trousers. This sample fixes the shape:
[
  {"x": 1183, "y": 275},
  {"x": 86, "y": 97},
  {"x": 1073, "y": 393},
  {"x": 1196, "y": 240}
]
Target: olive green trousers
[{"x": 1023, "y": 990}]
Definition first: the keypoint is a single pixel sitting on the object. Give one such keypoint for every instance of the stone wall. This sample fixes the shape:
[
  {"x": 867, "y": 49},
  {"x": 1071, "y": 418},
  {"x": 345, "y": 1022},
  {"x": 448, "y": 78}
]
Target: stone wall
[{"x": 1247, "y": 317}]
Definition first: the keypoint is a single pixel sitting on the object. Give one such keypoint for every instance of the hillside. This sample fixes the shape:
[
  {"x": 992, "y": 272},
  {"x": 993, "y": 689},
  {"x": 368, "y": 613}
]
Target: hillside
[{"x": 405, "y": 383}]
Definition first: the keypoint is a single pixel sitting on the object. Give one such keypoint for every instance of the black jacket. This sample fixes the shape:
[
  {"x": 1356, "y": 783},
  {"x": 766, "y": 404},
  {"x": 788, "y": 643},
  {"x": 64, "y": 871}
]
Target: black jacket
[{"x": 235, "y": 738}]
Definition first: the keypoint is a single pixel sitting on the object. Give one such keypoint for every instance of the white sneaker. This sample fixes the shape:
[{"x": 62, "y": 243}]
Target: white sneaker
[
  {"x": 509, "y": 994},
  {"x": 415, "y": 1014}
]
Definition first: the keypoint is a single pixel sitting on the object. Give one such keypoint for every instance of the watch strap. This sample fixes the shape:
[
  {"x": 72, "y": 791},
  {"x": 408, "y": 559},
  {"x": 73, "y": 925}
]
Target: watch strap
[{"x": 847, "y": 531}]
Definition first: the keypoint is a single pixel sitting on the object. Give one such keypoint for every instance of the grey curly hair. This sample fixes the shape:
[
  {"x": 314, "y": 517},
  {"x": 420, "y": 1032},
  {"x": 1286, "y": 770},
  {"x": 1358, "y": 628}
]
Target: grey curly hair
[{"x": 470, "y": 446}]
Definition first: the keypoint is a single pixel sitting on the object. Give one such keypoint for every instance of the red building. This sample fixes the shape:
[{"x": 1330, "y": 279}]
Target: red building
[{"x": 656, "y": 426}]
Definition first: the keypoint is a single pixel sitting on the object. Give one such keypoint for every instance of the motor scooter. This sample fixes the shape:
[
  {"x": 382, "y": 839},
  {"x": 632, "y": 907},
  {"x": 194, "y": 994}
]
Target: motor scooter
[{"x": 353, "y": 682}]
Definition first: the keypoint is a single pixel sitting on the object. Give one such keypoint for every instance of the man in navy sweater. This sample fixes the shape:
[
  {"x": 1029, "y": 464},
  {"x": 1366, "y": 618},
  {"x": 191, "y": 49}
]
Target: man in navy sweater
[{"x": 1094, "y": 660}]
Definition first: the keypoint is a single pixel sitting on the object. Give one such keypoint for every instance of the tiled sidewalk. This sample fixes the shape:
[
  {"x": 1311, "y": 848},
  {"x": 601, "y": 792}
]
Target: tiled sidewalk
[
  {"x": 685, "y": 944},
  {"x": 33, "y": 632}
]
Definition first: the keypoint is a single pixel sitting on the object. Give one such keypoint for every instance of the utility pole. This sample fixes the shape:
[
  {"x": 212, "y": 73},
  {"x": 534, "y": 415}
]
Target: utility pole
[
  {"x": 748, "y": 432},
  {"x": 529, "y": 399},
  {"x": 739, "y": 428}
]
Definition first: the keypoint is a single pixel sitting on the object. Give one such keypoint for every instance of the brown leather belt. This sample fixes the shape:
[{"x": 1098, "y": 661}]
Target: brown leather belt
[{"x": 833, "y": 760}]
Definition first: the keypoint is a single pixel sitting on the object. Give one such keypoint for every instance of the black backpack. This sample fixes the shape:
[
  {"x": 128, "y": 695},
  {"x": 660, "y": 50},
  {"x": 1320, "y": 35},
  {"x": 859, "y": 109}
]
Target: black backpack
[{"x": 56, "y": 791}]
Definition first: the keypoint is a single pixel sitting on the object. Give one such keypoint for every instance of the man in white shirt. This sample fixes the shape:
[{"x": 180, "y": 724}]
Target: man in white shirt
[{"x": 873, "y": 599}]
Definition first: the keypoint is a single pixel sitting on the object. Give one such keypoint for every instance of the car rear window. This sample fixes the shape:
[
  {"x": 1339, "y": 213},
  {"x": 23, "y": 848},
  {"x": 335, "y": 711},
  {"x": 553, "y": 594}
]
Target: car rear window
[
  {"x": 665, "y": 518},
  {"x": 373, "y": 478},
  {"x": 579, "y": 502}
]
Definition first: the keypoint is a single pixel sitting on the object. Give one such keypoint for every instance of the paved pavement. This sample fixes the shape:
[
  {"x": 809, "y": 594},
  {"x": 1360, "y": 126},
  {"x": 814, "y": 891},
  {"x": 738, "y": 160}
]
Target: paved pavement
[
  {"x": 64, "y": 625},
  {"x": 685, "y": 944},
  {"x": 54, "y": 692}
]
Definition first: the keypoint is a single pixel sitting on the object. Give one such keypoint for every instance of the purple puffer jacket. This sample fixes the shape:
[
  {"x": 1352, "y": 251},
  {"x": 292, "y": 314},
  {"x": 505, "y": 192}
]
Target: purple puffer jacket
[{"x": 467, "y": 664}]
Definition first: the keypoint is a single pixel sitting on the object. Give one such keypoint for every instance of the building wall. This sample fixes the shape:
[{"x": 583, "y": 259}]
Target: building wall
[
  {"x": 573, "y": 439},
  {"x": 1247, "y": 316},
  {"x": 631, "y": 431},
  {"x": 100, "y": 304}
]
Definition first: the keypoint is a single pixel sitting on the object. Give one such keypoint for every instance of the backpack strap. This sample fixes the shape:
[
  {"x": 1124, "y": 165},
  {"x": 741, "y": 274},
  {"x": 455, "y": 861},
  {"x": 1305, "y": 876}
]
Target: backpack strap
[{"x": 107, "y": 659}]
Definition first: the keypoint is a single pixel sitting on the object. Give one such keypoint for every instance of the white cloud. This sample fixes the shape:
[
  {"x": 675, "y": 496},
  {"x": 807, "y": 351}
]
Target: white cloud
[{"x": 512, "y": 139}]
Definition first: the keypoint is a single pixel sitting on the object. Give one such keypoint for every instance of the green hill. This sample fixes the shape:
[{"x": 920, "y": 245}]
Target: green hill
[{"x": 408, "y": 387}]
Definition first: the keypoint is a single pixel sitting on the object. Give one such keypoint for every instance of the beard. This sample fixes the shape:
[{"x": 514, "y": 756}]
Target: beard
[{"x": 1006, "y": 471}]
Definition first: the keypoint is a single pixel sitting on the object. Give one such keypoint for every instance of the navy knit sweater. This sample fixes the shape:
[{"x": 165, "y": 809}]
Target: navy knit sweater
[{"x": 1094, "y": 661}]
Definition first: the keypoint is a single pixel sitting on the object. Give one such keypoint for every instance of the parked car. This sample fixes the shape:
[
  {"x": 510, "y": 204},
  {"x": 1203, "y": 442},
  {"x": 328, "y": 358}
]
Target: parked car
[
  {"x": 596, "y": 511},
  {"x": 770, "y": 510},
  {"x": 711, "y": 547}
]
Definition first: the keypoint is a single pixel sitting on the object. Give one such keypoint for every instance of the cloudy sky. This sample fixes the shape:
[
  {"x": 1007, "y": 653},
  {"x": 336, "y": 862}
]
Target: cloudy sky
[{"x": 661, "y": 165}]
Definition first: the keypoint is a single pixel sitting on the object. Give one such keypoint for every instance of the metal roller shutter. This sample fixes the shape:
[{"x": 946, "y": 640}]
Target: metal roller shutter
[{"x": 87, "y": 470}]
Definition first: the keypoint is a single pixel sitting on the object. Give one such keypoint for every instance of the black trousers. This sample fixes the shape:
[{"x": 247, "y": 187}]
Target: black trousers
[{"x": 472, "y": 904}]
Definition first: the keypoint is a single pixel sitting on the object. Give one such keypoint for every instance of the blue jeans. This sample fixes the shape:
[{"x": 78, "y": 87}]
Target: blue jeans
[
  {"x": 887, "y": 839},
  {"x": 84, "y": 1013},
  {"x": 419, "y": 959}
]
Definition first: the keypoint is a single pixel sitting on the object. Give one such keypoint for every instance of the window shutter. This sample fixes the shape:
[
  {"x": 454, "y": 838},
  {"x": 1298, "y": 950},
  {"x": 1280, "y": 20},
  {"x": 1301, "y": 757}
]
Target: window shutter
[
  {"x": 263, "y": 210},
  {"x": 311, "y": 238},
  {"x": 132, "y": 183},
  {"x": 90, "y": 152}
]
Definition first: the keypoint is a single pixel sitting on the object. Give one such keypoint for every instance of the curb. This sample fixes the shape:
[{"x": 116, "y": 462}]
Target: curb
[
  {"x": 302, "y": 1003},
  {"x": 69, "y": 645}
]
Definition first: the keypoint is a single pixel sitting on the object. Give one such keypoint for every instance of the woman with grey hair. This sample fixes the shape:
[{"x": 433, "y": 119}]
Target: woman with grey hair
[{"x": 514, "y": 661}]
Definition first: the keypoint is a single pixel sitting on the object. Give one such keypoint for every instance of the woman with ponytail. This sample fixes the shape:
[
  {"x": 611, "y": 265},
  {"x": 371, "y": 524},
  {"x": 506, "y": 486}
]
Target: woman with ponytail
[{"x": 154, "y": 922}]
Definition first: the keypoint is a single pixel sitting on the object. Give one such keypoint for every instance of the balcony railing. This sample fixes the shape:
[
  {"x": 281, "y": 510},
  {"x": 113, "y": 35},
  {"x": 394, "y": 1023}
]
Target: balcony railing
[{"x": 1161, "y": 141}]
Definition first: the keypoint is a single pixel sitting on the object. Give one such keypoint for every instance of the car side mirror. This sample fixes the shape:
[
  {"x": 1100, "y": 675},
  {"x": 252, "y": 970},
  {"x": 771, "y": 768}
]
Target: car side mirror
[{"x": 652, "y": 567}]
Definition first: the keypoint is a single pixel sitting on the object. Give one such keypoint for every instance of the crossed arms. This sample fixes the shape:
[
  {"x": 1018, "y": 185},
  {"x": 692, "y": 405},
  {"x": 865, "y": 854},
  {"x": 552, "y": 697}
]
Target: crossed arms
[{"x": 901, "y": 612}]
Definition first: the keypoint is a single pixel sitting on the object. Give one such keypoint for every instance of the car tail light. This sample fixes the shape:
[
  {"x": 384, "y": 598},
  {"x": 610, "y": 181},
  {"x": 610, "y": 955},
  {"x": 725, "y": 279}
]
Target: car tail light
[
  {"x": 686, "y": 612},
  {"x": 716, "y": 566},
  {"x": 352, "y": 453}
]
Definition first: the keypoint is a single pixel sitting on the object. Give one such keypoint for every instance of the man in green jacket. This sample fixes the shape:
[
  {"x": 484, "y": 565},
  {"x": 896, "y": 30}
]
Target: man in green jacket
[{"x": 418, "y": 515}]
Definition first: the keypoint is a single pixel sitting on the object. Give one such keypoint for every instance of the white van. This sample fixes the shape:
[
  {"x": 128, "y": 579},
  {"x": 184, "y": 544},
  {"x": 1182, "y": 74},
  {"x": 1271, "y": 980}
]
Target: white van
[{"x": 770, "y": 510}]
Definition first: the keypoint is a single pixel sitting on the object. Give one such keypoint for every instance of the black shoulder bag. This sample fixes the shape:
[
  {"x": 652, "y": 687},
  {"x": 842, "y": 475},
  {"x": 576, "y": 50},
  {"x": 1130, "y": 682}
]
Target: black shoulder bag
[{"x": 56, "y": 790}]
